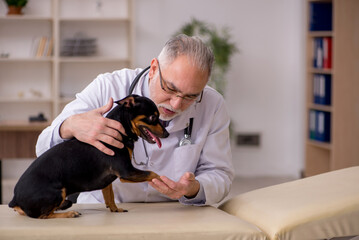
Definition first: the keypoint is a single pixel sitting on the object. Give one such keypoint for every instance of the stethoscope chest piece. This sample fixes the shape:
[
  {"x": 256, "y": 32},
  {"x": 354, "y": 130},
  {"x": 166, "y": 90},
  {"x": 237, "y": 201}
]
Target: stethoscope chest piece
[{"x": 186, "y": 140}]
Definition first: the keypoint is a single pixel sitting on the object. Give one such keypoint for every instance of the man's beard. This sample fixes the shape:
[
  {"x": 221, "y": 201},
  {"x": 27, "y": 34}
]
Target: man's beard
[{"x": 168, "y": 118}]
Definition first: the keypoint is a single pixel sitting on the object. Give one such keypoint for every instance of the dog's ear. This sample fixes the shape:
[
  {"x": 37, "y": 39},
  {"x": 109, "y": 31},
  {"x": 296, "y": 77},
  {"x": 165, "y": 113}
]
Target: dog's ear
[{"x": 127, "y": 102}]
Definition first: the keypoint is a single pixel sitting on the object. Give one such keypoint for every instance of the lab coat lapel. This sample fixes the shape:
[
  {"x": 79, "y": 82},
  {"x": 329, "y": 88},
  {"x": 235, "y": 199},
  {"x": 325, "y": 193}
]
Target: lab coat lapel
[{"x": 181, "y": 122}]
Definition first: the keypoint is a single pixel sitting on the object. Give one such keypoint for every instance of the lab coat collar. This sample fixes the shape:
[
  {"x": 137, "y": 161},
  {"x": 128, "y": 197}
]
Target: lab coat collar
[{"x": 182, "y": 121}]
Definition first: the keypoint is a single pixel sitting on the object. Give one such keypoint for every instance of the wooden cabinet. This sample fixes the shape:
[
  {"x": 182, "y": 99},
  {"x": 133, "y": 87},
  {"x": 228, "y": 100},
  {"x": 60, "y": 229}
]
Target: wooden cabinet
[
  {"x": 31, "y": 84},
  {"x": 342, "y": 148}
]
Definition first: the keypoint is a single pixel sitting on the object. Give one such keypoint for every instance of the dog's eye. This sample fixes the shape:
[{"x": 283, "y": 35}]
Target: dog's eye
[{"x": 152, "y": 118}]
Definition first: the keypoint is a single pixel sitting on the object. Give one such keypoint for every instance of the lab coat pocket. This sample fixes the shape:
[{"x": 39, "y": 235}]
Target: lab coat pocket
[{"x": 186, "y": 159}]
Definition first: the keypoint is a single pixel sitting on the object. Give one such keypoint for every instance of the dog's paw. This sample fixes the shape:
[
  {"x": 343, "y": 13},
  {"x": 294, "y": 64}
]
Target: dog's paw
[
  {"x": 153, "y": 175},
  {"x": 73, "y": 214},
  {"x": 112, "y": 207},
  {"x": 122, "y": 210},
  {"x": 69, "y": 214}
]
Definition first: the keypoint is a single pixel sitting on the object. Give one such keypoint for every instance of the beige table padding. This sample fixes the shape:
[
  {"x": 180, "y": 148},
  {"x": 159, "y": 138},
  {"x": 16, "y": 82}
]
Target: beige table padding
[
  {"x": 143, "y": 221},
  {"x": 318, "y": 207}
]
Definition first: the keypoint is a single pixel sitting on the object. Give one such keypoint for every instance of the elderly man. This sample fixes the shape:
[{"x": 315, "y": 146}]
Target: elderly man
[{"x": 194, "y": 161}]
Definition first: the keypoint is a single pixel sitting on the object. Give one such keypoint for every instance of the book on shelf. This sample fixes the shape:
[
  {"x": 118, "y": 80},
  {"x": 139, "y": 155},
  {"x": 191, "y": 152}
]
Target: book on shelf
[
  {"x": 42, "y": 46},
  {"x": 322, "y": 85},
  {"x": 319, "y": 126},
  {"x": 320, "y": 16},
  {"x": 322, "y": 52},
  {"x": 50, "y": 47},
  {"x": 318, "y": 53},
  {"x": 327, "y": 52}
]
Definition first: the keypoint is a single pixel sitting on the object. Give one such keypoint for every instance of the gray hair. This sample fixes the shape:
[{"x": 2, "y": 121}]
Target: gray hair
[{"x": 193, "y": 47}]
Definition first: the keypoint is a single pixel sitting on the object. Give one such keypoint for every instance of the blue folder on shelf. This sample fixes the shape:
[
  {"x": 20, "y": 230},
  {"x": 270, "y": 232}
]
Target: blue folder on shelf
[
  {"x": 318, "y": 58},
  {"x": 322, "y": 84},
  {"x": 319, "y": 125},
  {"x": 320, "y": 16},
  {"x": 312, "y": 124},
  {"x": 323, "y": 126}
]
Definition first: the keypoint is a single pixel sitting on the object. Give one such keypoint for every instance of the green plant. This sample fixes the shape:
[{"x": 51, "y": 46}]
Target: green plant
[
  {"x": 17, "y": 3},
  {"x": 220, "y": 43}
]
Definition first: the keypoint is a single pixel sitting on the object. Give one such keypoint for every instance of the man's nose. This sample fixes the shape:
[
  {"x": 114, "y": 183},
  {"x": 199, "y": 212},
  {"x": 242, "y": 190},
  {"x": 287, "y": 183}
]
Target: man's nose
[{"x": 176, "y": 102}]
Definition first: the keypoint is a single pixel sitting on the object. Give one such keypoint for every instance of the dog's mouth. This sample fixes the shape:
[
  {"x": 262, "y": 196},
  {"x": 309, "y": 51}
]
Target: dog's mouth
[{"x": 149, "y": 136}]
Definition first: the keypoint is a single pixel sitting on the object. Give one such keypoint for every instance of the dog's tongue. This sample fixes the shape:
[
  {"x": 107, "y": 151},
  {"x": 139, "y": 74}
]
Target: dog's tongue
[{"x": 156, "y": 139}]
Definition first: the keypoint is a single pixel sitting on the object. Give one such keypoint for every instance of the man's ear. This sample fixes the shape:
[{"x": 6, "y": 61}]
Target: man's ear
[
  {"x": 128, "y": 102},
  {"x": 153, "y": 68}
]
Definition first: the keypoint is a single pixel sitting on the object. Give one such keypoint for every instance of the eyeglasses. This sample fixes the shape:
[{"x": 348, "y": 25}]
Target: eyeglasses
[{"x": 173, "y": 92}]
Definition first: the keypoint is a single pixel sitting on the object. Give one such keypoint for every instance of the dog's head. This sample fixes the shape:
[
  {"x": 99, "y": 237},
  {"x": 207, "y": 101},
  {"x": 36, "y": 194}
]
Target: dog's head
[{"x": 140, "y": 116}]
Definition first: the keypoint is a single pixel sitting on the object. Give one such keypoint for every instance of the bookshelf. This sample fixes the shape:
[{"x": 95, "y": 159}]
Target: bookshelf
[
  {"x": 337, "y": 84},
  {"x": 31, "y": 84}
]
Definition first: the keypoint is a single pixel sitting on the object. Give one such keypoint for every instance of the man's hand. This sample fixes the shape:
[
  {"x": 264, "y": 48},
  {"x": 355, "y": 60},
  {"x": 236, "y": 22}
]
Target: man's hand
[
  {"x": 91, "y": 127},
  {"x": 187, "y": 186}
]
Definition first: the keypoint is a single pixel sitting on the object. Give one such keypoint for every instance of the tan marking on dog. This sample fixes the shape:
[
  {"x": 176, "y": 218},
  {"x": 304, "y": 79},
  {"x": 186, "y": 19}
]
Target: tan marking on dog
[
  {"x": 136, "y": 179},
  {"x": 52, "y": 214},
  {"x": 108, "y": 196},
  {"x": 130, "y": 151},
  {"x": 128, "y": 102},
  {"x": 69, "y": 214},
  {"x": 19, "y": 210},
  {"x": 135, "y": 123}
]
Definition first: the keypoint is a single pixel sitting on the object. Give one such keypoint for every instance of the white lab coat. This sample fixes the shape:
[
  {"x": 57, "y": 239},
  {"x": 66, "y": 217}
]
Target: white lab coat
[{"x": 208, "y": 157}]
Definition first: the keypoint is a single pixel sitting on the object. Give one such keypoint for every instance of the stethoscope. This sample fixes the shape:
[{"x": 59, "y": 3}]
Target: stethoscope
[{"x": 186, "y": 140}]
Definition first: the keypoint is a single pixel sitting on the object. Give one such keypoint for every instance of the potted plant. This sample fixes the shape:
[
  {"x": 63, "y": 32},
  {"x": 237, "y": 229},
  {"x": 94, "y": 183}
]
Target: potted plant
[
  {"x": 15, "y": 6},
  {"x": 223, "y": 49},
  {"x": 221, "y": 45}
]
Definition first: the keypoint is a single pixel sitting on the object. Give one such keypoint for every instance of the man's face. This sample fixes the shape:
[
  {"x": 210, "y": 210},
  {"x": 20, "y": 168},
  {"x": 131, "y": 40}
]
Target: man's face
[{"x": 176, "y": 87}]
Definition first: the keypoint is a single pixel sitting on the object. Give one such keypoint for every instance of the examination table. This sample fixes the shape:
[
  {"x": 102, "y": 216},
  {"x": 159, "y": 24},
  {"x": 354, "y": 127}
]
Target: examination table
[{"x": 319, "y": 207}]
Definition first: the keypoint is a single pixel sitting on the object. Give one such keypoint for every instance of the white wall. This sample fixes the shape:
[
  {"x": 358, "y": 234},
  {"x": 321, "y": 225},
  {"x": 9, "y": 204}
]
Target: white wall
[{"x": 266, "y": 81}]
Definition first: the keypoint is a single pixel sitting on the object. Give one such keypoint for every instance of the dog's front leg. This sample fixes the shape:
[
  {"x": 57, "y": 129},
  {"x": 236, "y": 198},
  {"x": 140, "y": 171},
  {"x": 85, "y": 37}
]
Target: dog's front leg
[
  {"x": 137, "y": 175},
  {"x": 108, "y": 195}
]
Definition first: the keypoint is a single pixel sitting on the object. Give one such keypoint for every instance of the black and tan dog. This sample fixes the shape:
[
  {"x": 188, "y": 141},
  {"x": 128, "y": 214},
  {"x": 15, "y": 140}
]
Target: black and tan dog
[{"x": 74, "y": 166}]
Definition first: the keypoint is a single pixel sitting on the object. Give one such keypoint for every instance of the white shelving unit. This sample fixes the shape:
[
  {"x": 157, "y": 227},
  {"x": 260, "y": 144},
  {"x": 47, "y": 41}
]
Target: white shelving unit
[{"x": 29, "y": 84}]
